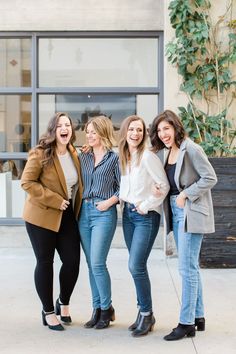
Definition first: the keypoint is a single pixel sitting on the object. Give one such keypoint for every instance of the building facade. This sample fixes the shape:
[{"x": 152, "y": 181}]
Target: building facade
[{"x": 84, "y": 57}]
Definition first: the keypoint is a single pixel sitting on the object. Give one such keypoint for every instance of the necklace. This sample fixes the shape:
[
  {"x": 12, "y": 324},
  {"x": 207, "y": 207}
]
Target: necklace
[{"x": 61, "y": 152}]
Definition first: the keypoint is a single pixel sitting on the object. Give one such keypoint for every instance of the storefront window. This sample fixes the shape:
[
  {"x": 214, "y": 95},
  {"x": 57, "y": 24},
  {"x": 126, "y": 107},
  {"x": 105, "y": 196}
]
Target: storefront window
[
  {"x": 12, "y": 195},
  {"x": 82, "y": 74},
  {"x": 98, "y": 62},
  {"x": 15, "y": 62},
  {"x": 15, "y": 123},
  {"x": 82, "y": 107}
]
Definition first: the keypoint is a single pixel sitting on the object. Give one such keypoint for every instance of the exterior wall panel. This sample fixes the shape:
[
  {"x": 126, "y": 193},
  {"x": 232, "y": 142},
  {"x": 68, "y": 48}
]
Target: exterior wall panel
[{"x": 82, "y": 15}]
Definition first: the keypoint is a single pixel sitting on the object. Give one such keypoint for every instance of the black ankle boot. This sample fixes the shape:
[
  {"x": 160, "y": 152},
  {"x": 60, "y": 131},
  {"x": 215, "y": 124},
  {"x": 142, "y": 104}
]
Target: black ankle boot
[
  {"x": 200, "y": 323},
  {"x": 105, "y": 318},
  {"x": 65, "y": 319},
  {"x": 57, "y": 327},
  {"x": 181, "y": 331},
  {"x": 94, "y": 319},
  {"x": 135, "y": 324},
  {"x": 145, "y": 325}
]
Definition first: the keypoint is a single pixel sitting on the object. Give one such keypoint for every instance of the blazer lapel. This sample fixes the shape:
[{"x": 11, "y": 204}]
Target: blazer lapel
[
  {"x": 75, "y": 159},
  {"x": 60, "y": 174},
  {"x": 179, "y": 163}
]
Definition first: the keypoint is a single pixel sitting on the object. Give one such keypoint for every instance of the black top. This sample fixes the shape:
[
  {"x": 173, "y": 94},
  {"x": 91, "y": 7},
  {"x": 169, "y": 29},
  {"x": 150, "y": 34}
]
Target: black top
[{"x": 170, "y": 172}]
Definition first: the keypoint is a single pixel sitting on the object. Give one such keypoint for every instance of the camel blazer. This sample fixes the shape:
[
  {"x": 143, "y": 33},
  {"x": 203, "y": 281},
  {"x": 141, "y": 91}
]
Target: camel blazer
[
  {"x": 195, "y": 176},
  {"x": 46, "y": 188}
]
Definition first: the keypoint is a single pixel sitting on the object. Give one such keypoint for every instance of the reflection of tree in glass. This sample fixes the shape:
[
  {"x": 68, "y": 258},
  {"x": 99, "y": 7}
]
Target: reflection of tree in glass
[{"x": 87, "y": 114}]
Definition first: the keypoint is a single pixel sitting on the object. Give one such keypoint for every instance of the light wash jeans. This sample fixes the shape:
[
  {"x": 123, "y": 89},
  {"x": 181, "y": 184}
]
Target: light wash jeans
[
  {"x": 97, "y": 229},
  {"x": 188, "y": 246},
  {"x": 140, "y": 232}
]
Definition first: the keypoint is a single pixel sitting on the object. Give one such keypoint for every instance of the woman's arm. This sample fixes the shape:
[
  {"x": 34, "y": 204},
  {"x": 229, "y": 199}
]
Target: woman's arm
[
  {"x": 207, "y": 177},
  {"x": 30, "y": 182},
  {"x": 155, "y": 169}
]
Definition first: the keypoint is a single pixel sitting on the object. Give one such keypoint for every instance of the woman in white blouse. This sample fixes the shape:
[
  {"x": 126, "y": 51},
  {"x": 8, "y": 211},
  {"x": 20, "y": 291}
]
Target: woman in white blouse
[{"x": 140, "y": 170}]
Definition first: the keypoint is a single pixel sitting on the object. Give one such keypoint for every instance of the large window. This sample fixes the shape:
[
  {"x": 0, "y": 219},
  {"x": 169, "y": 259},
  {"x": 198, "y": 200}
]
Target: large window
[{"x": 83, "y": 74}]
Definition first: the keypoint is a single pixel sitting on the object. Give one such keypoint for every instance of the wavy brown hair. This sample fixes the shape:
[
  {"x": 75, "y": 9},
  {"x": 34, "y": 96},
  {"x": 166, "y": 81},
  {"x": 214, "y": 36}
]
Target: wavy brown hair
[
  {"x": 47, "y": 142},
  {"x": 124, "y": 153},
  {"x": 172, "y": 119}
]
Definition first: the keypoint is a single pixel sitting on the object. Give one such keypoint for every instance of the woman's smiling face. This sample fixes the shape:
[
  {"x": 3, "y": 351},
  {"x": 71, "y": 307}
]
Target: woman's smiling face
[
  {"x": 134, "y": 135},
  {"x": 63, "y": 131},
  {"x": 166, "y": 133}
]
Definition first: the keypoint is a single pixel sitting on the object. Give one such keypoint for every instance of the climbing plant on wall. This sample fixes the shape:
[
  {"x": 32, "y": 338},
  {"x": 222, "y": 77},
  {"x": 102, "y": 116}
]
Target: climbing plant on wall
[{"x": 204, "y": 53}]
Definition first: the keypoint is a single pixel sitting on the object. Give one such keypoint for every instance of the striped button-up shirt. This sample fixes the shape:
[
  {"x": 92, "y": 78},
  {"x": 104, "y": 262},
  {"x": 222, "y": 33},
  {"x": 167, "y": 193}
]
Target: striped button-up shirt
[{"x": 102, "y": 181}]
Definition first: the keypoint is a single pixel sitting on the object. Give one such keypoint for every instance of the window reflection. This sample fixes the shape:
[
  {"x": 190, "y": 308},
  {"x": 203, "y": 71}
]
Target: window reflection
[
  {"x": 15, "y": 123},
  {"x": 98, "y": 62},
  {"x": 15, "y": 62},
  {"x": 12, "y": 196},
  {"x": 82, "y": 107}
]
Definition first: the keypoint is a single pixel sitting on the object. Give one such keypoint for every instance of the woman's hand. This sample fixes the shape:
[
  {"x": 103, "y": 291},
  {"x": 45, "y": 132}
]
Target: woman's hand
[
  {"x": 85, "y": 148},
  {"x": 103, "y": 205},
  {"x": 139, "y": 211},
  {"x": 64, "y": 205},
  {"x": 180, "y": 200},
  {"x": 156, "y": 190}
]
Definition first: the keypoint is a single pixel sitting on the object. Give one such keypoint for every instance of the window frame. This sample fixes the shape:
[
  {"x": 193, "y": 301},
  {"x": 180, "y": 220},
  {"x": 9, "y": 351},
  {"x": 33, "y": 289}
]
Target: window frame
[{"x": 34, "y": 90}]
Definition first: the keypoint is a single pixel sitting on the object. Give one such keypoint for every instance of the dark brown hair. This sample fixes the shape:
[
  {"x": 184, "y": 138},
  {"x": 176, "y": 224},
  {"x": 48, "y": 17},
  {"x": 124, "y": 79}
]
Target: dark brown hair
[
  {"x": 47, "y": 142},
  {"x": 172, "y": 119}
]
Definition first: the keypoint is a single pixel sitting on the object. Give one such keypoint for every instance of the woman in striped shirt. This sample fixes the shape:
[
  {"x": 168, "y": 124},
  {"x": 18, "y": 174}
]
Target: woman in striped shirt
[{"x": 98, "y": 216}]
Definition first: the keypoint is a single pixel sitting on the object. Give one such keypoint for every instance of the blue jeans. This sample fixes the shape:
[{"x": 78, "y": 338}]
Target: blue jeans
[
  {"x": 140, "y": 232},
  {"x": 97, "y": 229},
  {"x": 188, "y": 246}
]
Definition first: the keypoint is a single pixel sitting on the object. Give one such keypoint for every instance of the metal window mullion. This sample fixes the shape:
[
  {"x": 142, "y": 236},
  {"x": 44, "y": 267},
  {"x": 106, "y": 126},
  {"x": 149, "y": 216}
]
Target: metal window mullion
[
  {"x": 161, "y": 72},
  {"x": 97, "y": 90},
  {"x": 34, "y": 81}
]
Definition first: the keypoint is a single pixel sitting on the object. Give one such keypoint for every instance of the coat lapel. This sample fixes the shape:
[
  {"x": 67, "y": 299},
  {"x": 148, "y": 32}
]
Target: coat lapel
[
  {"x": 60, "y": 174},
  {"x": 179, "y": 163},
  {"x": 75, "y": 159}
]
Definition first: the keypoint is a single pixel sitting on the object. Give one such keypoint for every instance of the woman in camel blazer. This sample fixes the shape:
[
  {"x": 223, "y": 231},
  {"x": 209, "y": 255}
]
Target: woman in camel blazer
[
  {"x": 188, "y": 212},
  {"x": 52, "y": 180}
]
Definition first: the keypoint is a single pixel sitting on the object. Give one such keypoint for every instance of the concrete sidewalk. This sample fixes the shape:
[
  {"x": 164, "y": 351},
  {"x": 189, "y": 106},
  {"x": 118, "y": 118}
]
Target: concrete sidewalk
[{"x": 21, "y": 330}]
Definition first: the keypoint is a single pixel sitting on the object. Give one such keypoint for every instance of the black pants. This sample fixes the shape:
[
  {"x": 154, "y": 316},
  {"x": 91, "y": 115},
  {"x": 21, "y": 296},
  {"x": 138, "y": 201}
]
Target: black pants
[{"x": 67, "y": 243}]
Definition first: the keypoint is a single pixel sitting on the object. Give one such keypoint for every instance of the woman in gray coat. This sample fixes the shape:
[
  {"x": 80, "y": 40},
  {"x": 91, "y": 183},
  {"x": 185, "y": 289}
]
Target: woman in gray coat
[{"x": 188, "y": 212}]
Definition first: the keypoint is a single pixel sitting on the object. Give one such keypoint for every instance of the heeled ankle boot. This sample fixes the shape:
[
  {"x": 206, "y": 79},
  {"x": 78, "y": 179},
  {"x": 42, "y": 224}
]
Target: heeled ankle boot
[
  {"x": 94, "y": 318},
  {"x": 135, "y": 324},
  {"x": 105, "y": 318},
  {"x": 200, "y": 323},
  {"x": 180, "y": 332},
  {"x": 57, "y": 327},
  {"x": 145, "y": 325},
  {"x": 65, "y": 319}
]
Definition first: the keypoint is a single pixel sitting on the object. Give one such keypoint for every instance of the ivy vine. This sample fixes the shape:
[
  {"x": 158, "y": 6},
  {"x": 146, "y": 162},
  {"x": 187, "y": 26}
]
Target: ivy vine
[{"x": 205, "y": 55}]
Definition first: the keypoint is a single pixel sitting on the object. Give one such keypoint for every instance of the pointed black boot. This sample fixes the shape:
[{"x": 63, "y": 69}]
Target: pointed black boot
[
  {"x": 135, "y": 324},
  {"x": 180, "y": 332},
  {"x": 105, "y": 318},
  {"x": 94, "y": 318},
  {"x": 200, "y": 323},
  {"x": 57, "y": 327},
  {"x": 65, "y": 319},
  {"x": 145, "y": 325}
]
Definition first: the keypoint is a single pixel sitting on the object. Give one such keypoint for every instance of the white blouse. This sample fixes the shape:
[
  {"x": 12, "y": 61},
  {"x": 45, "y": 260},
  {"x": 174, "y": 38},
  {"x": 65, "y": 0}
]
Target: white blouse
[
  {"x": 136, "y": 184},
  {"x": 70, "y": 172}
]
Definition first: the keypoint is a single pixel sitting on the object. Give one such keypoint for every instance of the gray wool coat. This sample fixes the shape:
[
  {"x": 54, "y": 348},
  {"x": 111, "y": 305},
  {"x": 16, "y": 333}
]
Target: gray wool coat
[{"x": 195, "y": 176}]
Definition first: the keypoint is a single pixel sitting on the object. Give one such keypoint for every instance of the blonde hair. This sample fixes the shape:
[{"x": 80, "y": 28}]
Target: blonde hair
[
  {"x": 104, "y": 128},
  {"x": 124, "y": 153}
]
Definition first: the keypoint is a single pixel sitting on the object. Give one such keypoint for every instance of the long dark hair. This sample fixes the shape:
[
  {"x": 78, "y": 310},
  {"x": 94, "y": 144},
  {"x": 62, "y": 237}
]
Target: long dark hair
[
  {"x": 47, "y": 141},
  {"x": 172, "y": 119}
]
